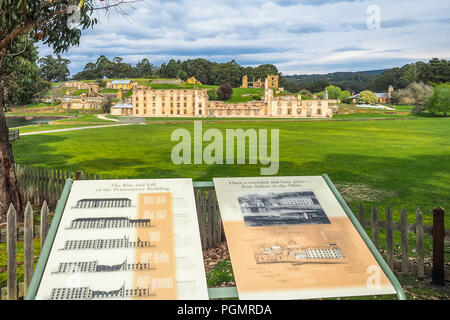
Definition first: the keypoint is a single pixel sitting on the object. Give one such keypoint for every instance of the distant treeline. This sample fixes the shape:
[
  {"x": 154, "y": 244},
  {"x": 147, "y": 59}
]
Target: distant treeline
[
  {"x": 434, "y": 72},
  {"x": 212, "y": 73}
]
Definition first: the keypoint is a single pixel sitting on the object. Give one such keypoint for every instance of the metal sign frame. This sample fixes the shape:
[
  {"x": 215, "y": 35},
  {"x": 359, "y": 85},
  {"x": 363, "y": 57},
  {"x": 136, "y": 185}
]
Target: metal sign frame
[{"x": 214, "y": 293}]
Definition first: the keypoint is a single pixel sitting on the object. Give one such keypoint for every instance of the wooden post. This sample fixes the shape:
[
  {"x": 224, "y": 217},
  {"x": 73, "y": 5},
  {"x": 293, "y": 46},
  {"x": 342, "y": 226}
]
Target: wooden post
[
  {"x": 11, "y": 249},
  {"x": 44, "y": 223},
  {"x": 438, "y": 246},
  {"x": 79, "y": 175},
  {"x": 362, "y": 219},
  {"x": 389, "y": 238},
  {"x": 405, "y": 247},
  {"x": 375, "y": 233},
  {"x": 419, "y": 245},
  {"x": 28, "y": 247}
]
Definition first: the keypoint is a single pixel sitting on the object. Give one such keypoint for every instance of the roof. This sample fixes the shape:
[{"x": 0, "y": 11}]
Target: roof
[
  {"x": 121, "y": 82},
  {"x": 122, "y": 106},
  {"x": 378, "y": 94}
]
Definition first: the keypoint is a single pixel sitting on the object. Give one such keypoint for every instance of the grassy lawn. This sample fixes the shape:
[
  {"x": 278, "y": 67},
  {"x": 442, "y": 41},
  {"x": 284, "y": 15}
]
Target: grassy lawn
[
  {"x": 386, "y": 162},
  {"x": 3, "y": 256},
  {"x": 84, "y": 118},
  {"x": 373, "y": 115},
  {"x": 47, "y": 127}
]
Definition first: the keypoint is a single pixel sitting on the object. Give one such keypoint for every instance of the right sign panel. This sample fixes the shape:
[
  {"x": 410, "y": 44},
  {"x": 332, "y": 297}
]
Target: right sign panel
[{"x": 289, "y": 238}]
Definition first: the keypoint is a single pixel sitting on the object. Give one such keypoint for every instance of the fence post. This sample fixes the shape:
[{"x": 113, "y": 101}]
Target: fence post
[
  {"x": 375, "y": 232},
  {"x": 419, "y": 245},
  {"x": 28, "y": 247},
  {"x": 405, "y": 247},
  {"x": 438, "y": 246},
  {"x": 79, "y": 175},
  {"x": 362, "y": 219},
  {"x": 389, "y": 238},
  {"x": 44, "y": 222},
  {"x": 11, "y": 275}
]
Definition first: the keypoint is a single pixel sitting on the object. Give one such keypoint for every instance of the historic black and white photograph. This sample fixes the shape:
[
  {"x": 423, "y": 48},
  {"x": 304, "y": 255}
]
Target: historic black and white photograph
[{"x": 281, "y": 208}]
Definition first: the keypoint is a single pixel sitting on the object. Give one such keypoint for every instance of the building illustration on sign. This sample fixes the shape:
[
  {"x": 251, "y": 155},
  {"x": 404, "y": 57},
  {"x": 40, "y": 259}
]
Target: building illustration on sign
[
  {"x": 95, "y": 267},
  {"x": 86, "y": 293},
  {"x": 105, "y": 244},
  {"x": 281, "y": 208},
  {"x": 109, "y": 223},
  {"x": 103, "y": 203},
  {"x": 297, "y": 254}
]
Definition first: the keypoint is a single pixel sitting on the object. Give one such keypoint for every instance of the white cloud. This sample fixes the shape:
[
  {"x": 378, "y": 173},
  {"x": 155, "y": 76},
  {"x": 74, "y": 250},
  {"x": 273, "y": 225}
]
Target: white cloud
[{"x": 298, "y": 36}]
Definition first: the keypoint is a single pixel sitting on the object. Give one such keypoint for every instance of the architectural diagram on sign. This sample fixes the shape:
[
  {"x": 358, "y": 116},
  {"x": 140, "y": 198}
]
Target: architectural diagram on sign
[
  {"x": 297, "y": 254},
  {"x": 108, "y": 223},
  {"x": 103, "y": 203},
  {"x": 105, "y": 244},
  {"x": 86, "y": 293},
  {"x": 95, "y": 267}
]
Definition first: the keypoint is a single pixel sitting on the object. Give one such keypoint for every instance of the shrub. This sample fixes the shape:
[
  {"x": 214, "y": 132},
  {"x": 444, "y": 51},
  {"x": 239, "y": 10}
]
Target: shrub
[
  {"x": 440, "y": 100},
  {"x": 256, "y": 97},
  {"x": 418, "y": 109},
  {"x": 225, "y": 91},
  {"x": 212, "y": 94},
  {"x": 415, "y": 94},
  {"x": 367, "y": 97}
]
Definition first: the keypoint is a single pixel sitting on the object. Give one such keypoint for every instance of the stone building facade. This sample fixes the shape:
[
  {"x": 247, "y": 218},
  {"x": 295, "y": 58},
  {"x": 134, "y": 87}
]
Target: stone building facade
[
  {"x": 148, "y": 102},
  {"x": 83, "y": 102}
]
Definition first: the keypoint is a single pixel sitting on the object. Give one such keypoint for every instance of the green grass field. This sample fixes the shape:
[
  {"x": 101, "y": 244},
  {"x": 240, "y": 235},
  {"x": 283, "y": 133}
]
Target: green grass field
[{"x": 373, "y": 162}]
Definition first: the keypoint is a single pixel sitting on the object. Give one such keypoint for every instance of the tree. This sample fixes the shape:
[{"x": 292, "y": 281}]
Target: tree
[
  {"x": 50, "y": 22},
  {"x": 440, "y": 100},
  {"x": 367, "y": 97},
  {"x": 333, "y": 92},
  {"x": 182, "y": 75},
  {"x": 107, "y": 104},
  {"x": 416, "y": 94},
  {"x": 344, "y": 95},
  {"x": 54, "y": 69},
  {"x": 225, "y": 91},
  {"x": 144, "y": 68}
]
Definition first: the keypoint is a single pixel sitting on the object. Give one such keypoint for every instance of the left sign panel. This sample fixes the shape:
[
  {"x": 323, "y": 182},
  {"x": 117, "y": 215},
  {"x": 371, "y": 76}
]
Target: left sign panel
[{"x": 127, "y": 239}]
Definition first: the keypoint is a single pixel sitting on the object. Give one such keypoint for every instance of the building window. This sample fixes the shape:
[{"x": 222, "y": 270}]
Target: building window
[
  {"x": 299, "y": 111},
  {"x": 279, "y": 111},
  {"x": 319, "y": 111},
  {"x": 289, "y": 111}
]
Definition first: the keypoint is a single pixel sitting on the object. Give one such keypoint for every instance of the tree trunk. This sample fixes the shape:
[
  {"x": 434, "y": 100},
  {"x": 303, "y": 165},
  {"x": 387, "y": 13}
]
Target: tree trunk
[{"x": 9, "y": 186}]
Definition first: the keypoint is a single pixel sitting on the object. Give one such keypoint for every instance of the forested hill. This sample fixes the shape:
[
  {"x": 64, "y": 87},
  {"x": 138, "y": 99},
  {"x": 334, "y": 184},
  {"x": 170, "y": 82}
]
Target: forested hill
[
  {"x": 434, "y": 72},
  {"x": 351, "y": 81}
]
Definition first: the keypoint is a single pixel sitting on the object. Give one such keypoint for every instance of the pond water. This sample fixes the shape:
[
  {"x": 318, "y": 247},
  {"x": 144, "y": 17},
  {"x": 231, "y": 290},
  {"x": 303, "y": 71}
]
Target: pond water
[{"x": 14, "y": 122}]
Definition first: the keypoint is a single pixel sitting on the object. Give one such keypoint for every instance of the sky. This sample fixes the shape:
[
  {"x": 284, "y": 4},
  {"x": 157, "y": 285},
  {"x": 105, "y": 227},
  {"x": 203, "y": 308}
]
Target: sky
[{"x": 298, "y": 36}]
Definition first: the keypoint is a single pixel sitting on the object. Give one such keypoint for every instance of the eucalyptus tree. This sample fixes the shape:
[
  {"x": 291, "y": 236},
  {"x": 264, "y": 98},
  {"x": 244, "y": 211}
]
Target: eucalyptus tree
[{"x": 58, "y": 24}]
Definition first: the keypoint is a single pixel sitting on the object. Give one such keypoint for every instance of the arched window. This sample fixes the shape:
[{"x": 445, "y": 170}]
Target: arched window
[
  {"x": 299, "y": 110},
  {"x": 279, "y": 111},
  {"x": 289, "y": 111},
  {"x": 319, "y": 111}
]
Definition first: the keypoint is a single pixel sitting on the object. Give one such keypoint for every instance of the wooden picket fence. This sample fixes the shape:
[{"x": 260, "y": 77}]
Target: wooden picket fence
[
  {"x": 211, "y": 232},
  {"x": 39, "y": 184},
  {"x": 13, "y": 291},
  {"x": 210, "y": 226},
  {"x": 13, "y": 135},
  {"x": 410, "y": 265}
]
